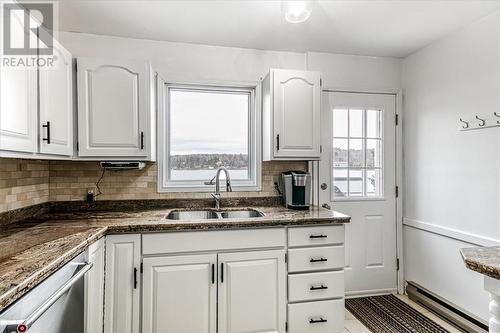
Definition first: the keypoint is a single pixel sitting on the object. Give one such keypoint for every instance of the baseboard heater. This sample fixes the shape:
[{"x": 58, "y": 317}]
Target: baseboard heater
[{"x": 448, "y": 312}]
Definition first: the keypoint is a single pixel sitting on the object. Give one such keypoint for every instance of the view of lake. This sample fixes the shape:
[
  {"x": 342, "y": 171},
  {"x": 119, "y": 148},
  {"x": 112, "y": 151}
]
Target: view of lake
[{"x": 206, "y": 174}]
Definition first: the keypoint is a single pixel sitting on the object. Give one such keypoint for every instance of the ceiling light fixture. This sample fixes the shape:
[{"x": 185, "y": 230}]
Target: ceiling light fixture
[{"x": 297, "y": 11}]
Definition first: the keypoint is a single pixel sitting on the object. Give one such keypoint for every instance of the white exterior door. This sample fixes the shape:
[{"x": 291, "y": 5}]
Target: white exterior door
[
  {"x": 18, "y": 100},
  {"x": 114, "y": 101},
  {"x": 357, "y": 177},
  {"x": 56, "y": 105},
  {"x": 297, "y": 110},
  {"x": 122, "y": 283},
  {"x": 180, "y": 294},
  {"x": 252, "y": 292}
]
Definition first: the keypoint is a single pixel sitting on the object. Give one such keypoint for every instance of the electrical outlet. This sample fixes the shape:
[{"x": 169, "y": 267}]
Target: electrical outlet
[{"x": 90, "y": 196}]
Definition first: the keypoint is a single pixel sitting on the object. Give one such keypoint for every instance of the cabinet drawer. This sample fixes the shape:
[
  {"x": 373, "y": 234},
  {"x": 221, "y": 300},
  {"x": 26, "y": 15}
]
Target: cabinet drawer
[
  {"x": 320, "y": 235},
  {"x": 321, "y": 316},
  {"x": 315, "y": 286},
  {"x": 316, "y": 258},
  {"x": 175, "y": 242}
]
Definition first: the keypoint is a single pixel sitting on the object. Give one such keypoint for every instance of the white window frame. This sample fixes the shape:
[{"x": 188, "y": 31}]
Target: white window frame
[
  {"x": 364, "y": 168},
  {"x": 254, "y": 139}
]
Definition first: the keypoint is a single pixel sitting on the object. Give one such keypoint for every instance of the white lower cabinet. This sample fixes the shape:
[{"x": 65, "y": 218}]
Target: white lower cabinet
[
  {"x": 322, "y": 316},
  {"x": 180, "y": 294},
  {"x": 94, "y": 289},
  {"x": 122, "y": 283},
  {"x": 252, "y": 292}
]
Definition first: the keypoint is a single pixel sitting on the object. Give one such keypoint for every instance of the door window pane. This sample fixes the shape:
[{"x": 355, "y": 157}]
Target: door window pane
[
  {"x": 340, "y": 182},
  {"x": 357, "y": 153},
  {"x": 356, "y": 158},
  {"x": 373, "y": 124},
  {"x": 356, "y": 123},
  {"x": 340, "y": 153},
  {"x": 373, "y": 182},
  {"x": 373, "y": 153},
  {"x": 340, "y": 122},
  {"x": 355, "y": 183}
]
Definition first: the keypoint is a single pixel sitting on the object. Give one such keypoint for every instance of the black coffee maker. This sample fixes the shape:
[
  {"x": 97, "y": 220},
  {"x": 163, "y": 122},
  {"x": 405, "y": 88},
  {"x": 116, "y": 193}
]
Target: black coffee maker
[{"x": 295, "y": 187}]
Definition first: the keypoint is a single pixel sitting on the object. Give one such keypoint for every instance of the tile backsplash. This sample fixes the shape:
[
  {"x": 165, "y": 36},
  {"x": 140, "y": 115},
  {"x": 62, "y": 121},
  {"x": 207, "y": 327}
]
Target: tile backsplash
[
  {"x": 25, "y": 183},
  {"x": 70, "y": 181}
]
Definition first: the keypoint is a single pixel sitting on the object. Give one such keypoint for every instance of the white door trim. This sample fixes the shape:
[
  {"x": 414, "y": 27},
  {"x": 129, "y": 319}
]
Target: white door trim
[{"x": 313, "y": 168}]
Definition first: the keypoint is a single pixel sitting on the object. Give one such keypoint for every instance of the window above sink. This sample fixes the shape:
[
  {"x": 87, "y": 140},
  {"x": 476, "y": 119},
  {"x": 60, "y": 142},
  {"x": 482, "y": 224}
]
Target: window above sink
[{"x": 203, "y": 128}]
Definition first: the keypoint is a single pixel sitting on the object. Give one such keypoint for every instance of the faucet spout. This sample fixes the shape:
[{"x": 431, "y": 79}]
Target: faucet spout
[{"x": 217, "y": 195}]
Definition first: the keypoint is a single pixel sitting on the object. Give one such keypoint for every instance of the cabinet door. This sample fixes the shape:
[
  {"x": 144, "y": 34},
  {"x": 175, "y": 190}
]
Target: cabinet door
[
  {"x": 122, "y": 283},
  {"x": 94, "y": 289},
  {"x": 56, "y": 105},
  {"x": 252, "y": 294},
  {"x": 180, "y": 294},
  {"x": 114, "y": 100},
  {"x": 296, "y": 105},
  {"x": 18, "y": 100}
]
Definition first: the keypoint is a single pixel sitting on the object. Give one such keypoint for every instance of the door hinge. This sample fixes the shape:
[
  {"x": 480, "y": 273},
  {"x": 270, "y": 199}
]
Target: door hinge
[
  {"x": 397, "y": 119},
  {"x": 397, "y": 264},
  {"x": 397, "y": 191}
]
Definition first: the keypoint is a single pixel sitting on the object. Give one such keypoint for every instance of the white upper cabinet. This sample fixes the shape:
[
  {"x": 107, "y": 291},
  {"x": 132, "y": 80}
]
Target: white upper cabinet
[
  {"x": 18, "y": 102},
  {"x": 56, "y": 105},
  {"x": 291, "y": 115},
  {"x": 116, "y": 108}
]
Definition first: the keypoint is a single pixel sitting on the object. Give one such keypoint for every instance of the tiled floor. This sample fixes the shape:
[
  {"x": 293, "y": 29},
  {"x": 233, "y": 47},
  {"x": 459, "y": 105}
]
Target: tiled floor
[{"x": 352, "y": 325}]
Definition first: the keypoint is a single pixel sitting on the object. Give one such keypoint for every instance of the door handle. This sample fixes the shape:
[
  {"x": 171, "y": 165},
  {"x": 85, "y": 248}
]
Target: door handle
[
  {"x": 278, "y": 142},
  {"x": 213, "y": 273},
  {"x": 327, "y": 206},
  {"x": 318, "y": 260},
  {"x": 221, "y": 272}
]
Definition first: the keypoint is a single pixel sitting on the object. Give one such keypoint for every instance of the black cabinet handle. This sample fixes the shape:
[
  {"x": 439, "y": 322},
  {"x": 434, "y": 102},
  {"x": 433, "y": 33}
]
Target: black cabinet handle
[
  {"x": 47, "y": 126},
  {"x": 316, "y": 321},
  {"x": 221, "y": 272},
  {"x": 318, "y": 236},
  {"x": 142, "y": 140},
  {"x": 278, "y": 142},
  {"x": 318, "y": 288},
  {"x": 213, "y": 273},
  {"x": 135, "y": 278},
  {"x": 318, "y": 260}
]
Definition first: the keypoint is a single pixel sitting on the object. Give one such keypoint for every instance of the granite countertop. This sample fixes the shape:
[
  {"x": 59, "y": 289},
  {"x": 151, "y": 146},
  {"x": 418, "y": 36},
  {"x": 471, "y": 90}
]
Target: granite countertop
[
  {"x": 485, "y": 260},
  {"x": 32, "y": 249}
]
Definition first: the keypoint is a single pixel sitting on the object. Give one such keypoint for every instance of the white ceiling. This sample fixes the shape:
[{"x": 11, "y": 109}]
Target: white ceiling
[{"x": 377, "y": 28}]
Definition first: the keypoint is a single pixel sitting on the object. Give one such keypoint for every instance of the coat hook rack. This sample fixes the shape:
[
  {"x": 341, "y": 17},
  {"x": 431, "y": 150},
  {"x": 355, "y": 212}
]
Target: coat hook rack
[
  {"x": 497, "y": 115},
  {"x": 480, "y": 122}
]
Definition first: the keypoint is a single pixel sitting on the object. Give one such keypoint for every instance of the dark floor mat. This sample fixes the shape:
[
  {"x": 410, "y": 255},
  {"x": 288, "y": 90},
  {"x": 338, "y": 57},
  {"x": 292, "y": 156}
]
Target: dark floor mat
[{"x": 388, "y": 314}]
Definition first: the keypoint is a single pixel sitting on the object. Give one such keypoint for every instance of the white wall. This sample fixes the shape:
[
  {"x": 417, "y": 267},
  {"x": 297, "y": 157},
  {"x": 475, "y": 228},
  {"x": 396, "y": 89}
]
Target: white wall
[
  {"x": 185, "y": 62},
  {"x": 341, "y": 71},
  {"x": 452, "y": 177}
]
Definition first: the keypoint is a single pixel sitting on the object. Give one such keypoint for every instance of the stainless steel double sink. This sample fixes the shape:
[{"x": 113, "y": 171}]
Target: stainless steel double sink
[{"x": 212, "y": 214}]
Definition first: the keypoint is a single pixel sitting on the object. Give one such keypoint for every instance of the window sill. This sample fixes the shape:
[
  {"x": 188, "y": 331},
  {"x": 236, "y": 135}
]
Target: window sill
[{"x": 194, "y": 188}]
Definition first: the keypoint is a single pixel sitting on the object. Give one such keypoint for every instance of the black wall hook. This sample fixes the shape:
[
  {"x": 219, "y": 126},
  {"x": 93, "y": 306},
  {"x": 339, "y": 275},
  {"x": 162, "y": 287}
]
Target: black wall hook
[
  {"x": 466, "y": 123},
  {"x": 482, "y": 122}
]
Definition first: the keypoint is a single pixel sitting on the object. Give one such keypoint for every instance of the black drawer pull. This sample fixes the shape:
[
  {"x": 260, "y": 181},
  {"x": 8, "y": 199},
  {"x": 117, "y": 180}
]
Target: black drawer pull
[
  {"x": 318, "y": 288},
  {"x": 316, "y": 321},
  {"x": 318, "y": 260},
  {"x": 318, "y": 236}
]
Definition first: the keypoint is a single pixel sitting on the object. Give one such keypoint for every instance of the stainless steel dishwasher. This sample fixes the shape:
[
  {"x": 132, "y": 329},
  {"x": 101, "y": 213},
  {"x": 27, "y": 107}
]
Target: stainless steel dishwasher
[{"x": 56, "y": 305}]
